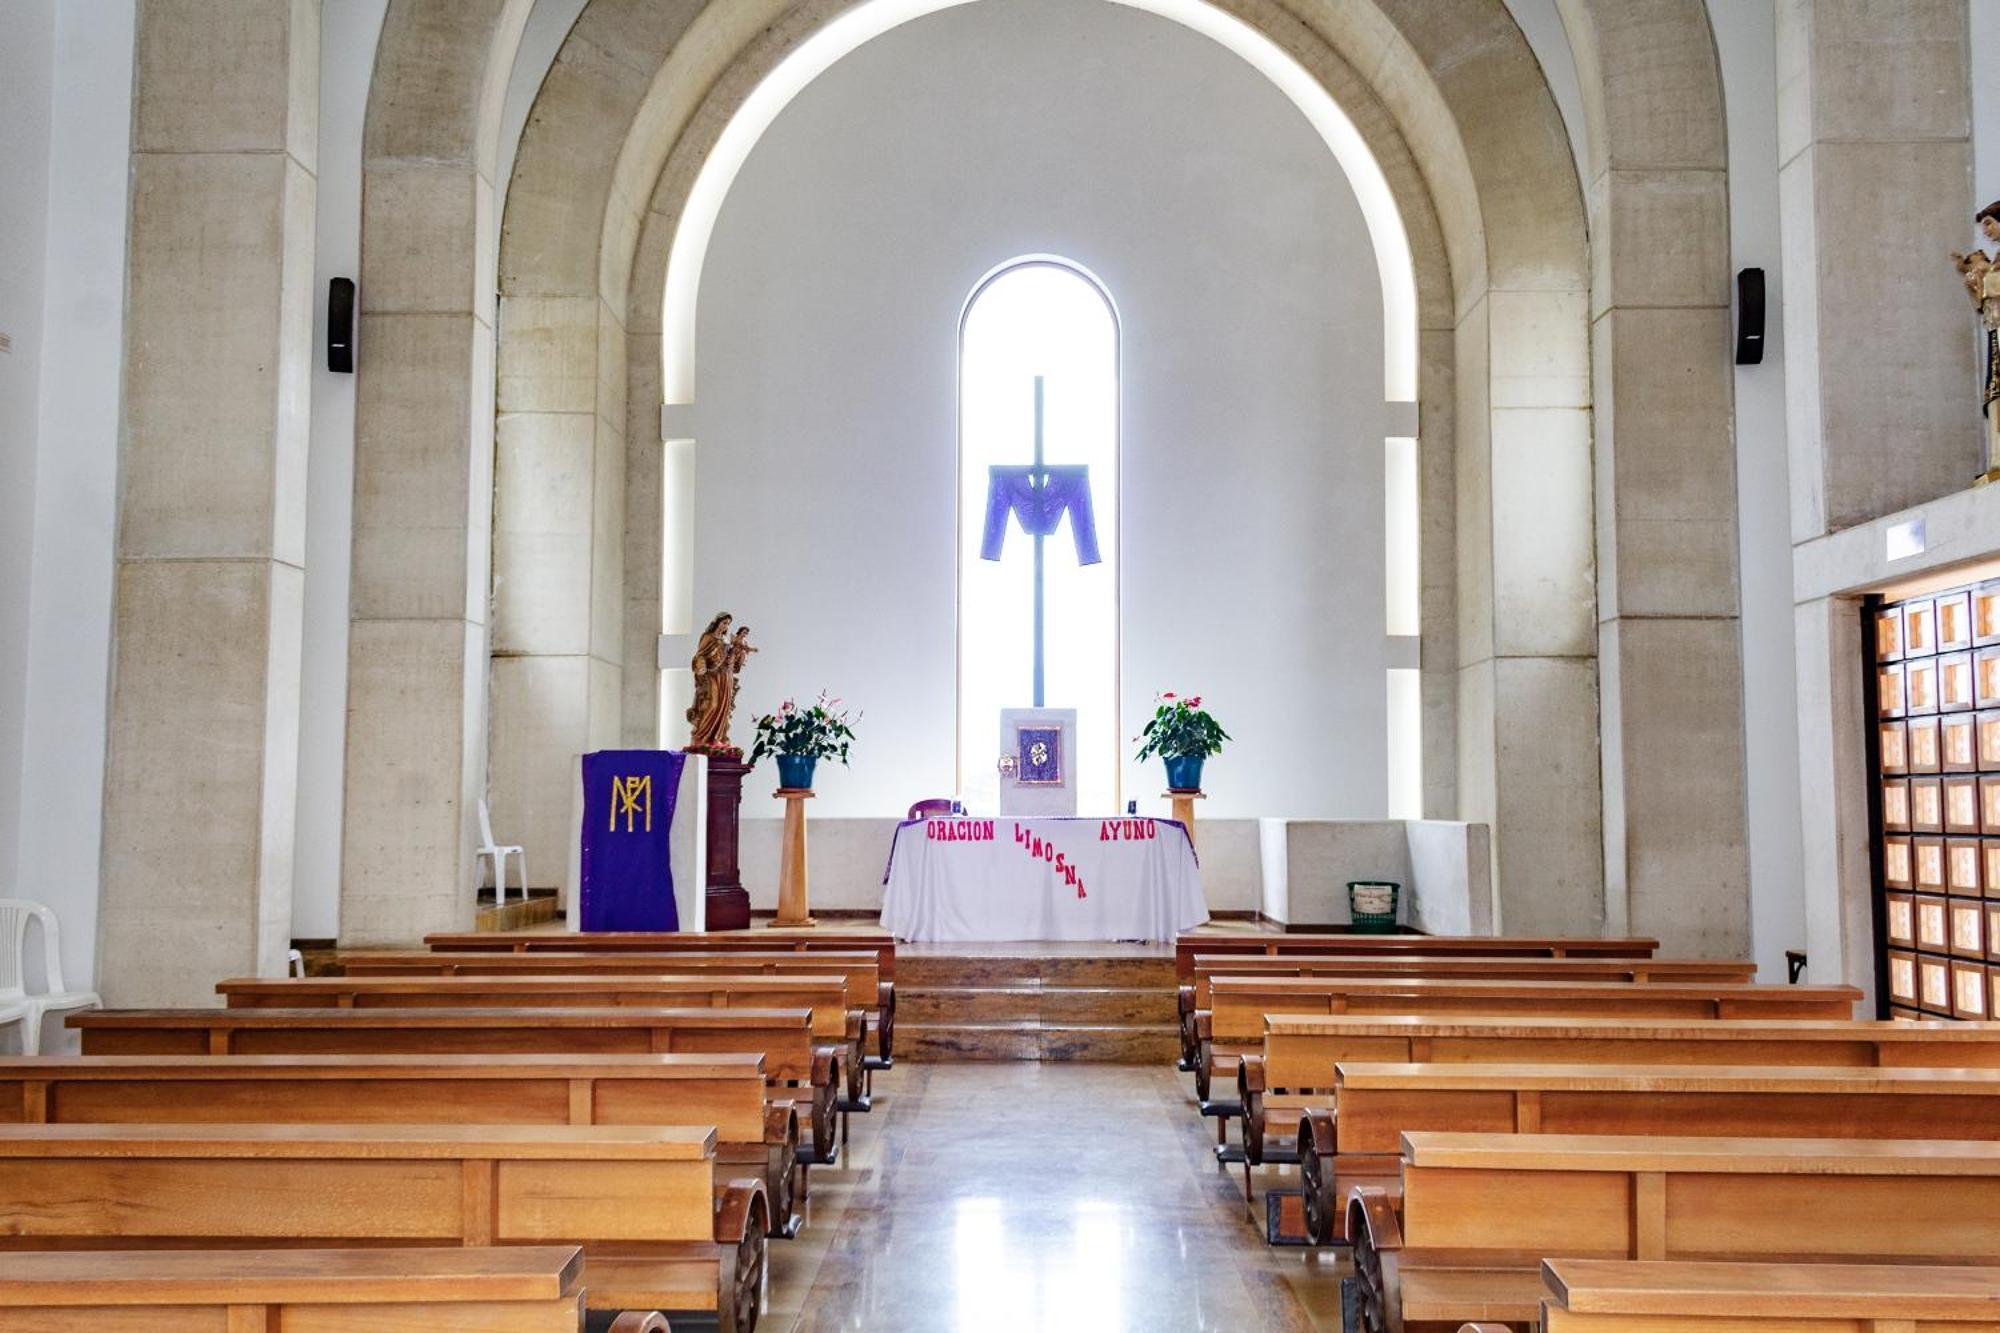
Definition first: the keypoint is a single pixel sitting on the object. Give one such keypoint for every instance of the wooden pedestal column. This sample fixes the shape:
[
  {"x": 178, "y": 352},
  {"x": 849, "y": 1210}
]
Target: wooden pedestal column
[
  {"x": 1183, "y": 803},
  {"x": 728, "y": 902},
  {"x": 792, "y": 892}
]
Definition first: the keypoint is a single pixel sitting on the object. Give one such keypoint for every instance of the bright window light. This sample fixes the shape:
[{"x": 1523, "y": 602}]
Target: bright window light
[
  {"x": 1406, "y": 743},
  {"x": 1046, "y": 318},
  {"x": 1401, "y": 593}
]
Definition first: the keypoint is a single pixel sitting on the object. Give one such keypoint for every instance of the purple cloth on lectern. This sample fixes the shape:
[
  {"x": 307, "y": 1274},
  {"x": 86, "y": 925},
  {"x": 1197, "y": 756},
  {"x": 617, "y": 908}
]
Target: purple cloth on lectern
[
  {"x": 628, "y": 818},
  {"x": 1012, "y": 489}
]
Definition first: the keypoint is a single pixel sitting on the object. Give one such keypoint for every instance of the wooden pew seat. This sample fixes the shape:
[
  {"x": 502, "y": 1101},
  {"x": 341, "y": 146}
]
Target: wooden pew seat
[
  {"x": 727, "y": 1091},
  {"x": 817, "y": 939},
  {"x": 795, "y": 1069},
  {"x": 643, "y": 1197},
  {"x": 1235, "y": 1024},
  {"x": 834, "y": 1021},
  {"x": 1356, "y": 1140},
  {"x": 1301, "y": 1051},
  {"x": 1479, "y": 1212},
  {"x": 1195, "y": 997},
  {"x": 519, "y": 1288},
  {"x": 862, "y": 968},
  {"x": 798, "y": 939},
  {"x": 1194, "y": 942},
  {"x": 1632, "y": 1296}
]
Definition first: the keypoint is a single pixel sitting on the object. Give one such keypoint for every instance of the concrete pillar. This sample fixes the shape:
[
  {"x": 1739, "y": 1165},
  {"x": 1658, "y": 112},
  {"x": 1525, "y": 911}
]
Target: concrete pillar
[
  {"x": 1676, "y": 845},
  {"x": 1840, "y": 927},
  {"x": 1527, "y": 760},
  {"x": 423, "y": 470},
  {"x": 201, "y": 767},
  {"x": 1875, "y": 190},
  {"x": 560, "y": 474}
]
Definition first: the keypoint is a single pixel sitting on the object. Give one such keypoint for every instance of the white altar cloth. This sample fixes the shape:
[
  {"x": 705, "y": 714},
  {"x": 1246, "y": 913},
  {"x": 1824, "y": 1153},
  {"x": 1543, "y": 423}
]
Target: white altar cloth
[{"x": 1042, "y": 878}]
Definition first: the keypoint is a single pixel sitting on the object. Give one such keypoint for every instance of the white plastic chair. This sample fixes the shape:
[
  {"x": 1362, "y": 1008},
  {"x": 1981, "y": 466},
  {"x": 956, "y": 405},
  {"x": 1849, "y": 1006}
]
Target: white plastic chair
[
  {"x": 16, "y": 914},
  {"x": 498, "y": 855}
]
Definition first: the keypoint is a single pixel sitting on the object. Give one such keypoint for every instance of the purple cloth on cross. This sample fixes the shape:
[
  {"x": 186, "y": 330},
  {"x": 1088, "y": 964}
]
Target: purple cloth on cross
[
  {"x": 1040, "y": 508},
  {"x": 628, "y": 819}
]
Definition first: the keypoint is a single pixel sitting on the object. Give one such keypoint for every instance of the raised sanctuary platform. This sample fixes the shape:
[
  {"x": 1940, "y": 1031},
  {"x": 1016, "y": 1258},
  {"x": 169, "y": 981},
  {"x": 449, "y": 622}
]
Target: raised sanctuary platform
[{"x": 1101, "y": 1003}]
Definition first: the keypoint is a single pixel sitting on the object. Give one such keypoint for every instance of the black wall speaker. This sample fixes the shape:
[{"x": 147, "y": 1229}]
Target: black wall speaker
[
  {"x": 1750, "y": 317},
  {"x": 340, "y": 326}
]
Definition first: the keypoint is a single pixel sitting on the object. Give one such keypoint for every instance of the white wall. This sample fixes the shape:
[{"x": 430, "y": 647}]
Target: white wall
[
  {"x": 74, "y": 437},
  {"x": 825, "y": 408},
  {"x": 27, "y": 54}
]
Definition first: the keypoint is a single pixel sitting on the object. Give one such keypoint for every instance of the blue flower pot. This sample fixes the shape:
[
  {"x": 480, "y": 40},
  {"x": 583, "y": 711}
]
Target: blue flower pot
[
  {"x": 1184, "y": 772},
  {"x": 795, "y": 771}
]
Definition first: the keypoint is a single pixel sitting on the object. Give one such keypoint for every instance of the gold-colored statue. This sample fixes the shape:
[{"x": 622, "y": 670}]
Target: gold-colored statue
[
  {"x": 718, "y": 663},
  {"x": 1981, "y": 272}
]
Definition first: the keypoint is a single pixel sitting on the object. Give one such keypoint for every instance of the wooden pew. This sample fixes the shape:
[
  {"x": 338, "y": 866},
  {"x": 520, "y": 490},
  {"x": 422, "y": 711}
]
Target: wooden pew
[
  {"x": 1194, "y": 996},
  {"x": 833, "y": 1019},
  {"x": 813, "y": 940},
  {"x": 1235, "y": 1023},
  {"x": 1296, "y": 1066},
  {"x": 519, "y": 1288},
  {"x": 862, "y": 968},
  {"x": 796, "y": 1070},
  {"x": 1479, "y": 1212},
  {"x": 801, "y": 940},
  {"x": 641, "y": 1201},
  {"x": 1355, "y": 1140},
  {"x": 1188, "y": 945},
  {"x": 1631, "y": 1296},
  {"x": 753, "y": 1136}
]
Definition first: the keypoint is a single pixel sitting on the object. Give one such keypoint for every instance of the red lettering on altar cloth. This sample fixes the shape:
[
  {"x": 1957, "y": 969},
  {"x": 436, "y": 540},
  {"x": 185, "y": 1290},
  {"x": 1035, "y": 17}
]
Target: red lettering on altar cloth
[
  {"x": 959, "y": 830},
  {"x": 1032, "y": 844}
]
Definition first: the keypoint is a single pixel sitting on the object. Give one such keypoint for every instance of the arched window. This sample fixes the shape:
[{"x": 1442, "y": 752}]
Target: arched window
[{"x": 1038, "y": 398}]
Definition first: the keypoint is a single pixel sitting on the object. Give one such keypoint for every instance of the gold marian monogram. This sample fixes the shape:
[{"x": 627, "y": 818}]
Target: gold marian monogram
[{"x": 632, "y": 798}]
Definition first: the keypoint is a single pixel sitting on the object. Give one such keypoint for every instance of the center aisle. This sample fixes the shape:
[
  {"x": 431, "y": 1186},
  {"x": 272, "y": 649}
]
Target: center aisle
[{"x": 1026, "y": 1196}]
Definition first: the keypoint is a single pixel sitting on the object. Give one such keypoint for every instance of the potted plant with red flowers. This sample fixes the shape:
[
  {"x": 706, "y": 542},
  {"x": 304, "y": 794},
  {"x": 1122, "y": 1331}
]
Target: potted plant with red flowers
[
  {"x": 1183, "y": 734},
  {"x": 800, "y": 737}
]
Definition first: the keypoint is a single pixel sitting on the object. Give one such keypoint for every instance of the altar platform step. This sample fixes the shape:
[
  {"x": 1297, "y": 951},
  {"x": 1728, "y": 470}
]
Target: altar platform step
[
  {"x": 517, "y": 913},
  {"x": 1023, "y": 1005}
]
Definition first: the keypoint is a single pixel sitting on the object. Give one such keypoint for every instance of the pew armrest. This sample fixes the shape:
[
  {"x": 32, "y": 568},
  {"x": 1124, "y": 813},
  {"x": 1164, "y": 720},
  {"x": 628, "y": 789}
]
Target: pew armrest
[
  {"x": 781, "y": 1123},
  {"x": 649, "y": 1321},
  {"x": 1372, "y": 1213},
  {"x": 738, "y": 1210},
  {"x": 885, "y": 1026}
]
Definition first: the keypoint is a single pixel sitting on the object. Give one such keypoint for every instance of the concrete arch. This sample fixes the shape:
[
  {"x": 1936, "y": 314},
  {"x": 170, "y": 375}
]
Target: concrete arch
[
  {"x": 1454, "y": 107},
  {"x": 417, "y": 651},
  {"x": 1495, "y": 221}
]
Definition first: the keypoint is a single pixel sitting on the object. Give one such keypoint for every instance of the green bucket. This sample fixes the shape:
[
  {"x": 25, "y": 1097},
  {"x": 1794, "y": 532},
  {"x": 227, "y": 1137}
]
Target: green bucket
[{"x": 1371, "y": 903}]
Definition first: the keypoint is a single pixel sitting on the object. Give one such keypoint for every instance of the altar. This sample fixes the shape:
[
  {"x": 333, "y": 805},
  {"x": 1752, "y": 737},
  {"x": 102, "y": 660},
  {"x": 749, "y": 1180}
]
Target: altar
[{"x": 1041, "y": 878}]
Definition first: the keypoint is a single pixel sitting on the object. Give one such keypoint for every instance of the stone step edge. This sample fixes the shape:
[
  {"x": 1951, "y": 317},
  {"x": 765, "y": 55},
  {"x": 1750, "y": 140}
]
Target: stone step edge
[
  {"x": 904, "y": 992},
  {"x": 1027, "y": 987},
  {"x": 1030, "y": 1025}
]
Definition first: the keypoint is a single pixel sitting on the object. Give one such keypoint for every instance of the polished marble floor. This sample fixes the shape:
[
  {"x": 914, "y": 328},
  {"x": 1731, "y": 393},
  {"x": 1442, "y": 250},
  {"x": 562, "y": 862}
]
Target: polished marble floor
[{"x": 1028, "y": 1196}]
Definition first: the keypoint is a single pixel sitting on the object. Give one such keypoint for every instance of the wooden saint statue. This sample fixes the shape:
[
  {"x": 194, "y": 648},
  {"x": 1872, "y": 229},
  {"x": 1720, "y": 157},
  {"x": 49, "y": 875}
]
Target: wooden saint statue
[
  {"x": 1981, "y": 272},
  {"x": 718, "y": 662}
]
